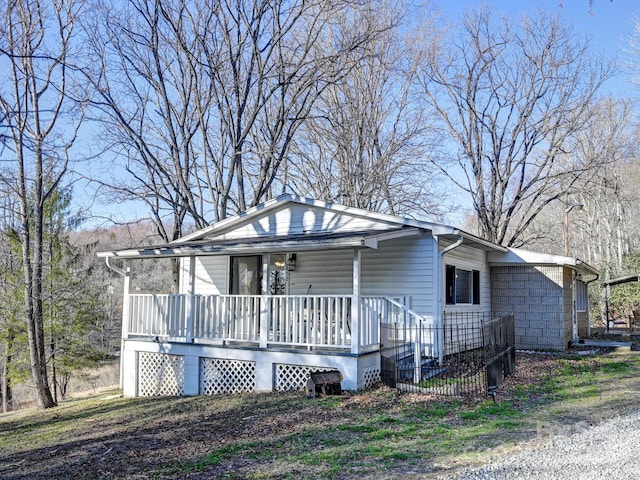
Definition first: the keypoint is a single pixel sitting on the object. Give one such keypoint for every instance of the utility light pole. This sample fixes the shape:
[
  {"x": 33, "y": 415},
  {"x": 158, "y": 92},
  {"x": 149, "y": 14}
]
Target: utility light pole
[{"x": 577, "y": 206}]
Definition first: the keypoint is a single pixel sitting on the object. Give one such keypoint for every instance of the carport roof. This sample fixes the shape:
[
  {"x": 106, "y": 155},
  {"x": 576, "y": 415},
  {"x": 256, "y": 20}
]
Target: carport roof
[
  {"x": 620, "y": 280},
  {"x": 518, "y": 256}
]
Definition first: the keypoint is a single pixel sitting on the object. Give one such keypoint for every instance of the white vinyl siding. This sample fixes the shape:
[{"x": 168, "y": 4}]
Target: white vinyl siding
[
  {"x": 294, "y": 219},
  {"x": 398, "y": 268},
  {"x": 328, "y": 273},
  {"x": 211, "y": 275},
  {"x": 401, "y": 267},
  {"x": 322, "y": 273},
  {"x": 465, "y": 258}
]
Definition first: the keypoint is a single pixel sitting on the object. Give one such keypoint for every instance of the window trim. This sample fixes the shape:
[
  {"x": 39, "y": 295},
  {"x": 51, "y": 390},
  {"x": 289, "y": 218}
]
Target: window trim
[
  {"x": 232, "y": 280},
  {"x": 450, "y": 285}
]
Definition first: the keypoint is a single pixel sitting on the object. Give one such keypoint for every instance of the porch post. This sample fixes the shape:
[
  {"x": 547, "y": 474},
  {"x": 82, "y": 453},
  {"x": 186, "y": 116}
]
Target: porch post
[
  {"x": 126, "y": 308},
  {"x": 355, "y": 303},
  {"x": 417, "y": 354},
  {"x": 191, "y": 301},
  {"x": 264, "y": 307}
]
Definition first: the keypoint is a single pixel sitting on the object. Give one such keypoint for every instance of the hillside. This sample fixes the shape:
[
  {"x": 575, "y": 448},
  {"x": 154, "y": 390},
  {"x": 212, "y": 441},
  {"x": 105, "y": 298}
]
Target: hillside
[{"x": 374, "y": 434}]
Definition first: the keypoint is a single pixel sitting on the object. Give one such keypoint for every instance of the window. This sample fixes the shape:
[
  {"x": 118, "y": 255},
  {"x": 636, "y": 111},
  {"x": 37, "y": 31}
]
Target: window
[
  {"x": 278, "y": 273},
  {"x": 246, "y": 275},
  {"x": 462, "y": 286}
]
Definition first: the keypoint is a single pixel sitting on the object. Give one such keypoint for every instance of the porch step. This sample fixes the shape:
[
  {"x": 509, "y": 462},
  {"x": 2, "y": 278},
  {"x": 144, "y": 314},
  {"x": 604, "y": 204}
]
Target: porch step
[
  {"x": 399, "y": 353},
  {"x": 433, "y": 372},
  {"x": 428, "y": 368}
]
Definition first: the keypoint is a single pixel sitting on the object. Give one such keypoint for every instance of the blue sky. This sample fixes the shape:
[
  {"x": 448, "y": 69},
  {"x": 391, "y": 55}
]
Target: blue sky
[{"x": 607, "y": 22}]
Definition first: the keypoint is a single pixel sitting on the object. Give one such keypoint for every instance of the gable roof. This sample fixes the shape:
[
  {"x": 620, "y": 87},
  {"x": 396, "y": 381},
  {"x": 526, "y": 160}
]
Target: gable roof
[
  {"x": 222, "y": 237},
  {"x": 279, "y": 202}
]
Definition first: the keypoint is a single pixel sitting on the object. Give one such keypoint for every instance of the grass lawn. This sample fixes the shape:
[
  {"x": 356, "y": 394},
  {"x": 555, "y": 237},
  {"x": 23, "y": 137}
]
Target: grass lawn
[{"x": 374, "y": 434}]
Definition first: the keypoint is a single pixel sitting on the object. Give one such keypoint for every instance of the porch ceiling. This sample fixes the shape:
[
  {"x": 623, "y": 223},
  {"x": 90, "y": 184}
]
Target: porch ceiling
[{"x": 286, "y": 243}]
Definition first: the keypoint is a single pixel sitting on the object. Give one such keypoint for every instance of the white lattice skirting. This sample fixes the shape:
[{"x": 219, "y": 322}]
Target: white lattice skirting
[
  {"x": 371, "y": 376},
  {"x": 226, "y": 376},
  {"x": 160, "y": 374},
  {"x": 294, "y": 377}
]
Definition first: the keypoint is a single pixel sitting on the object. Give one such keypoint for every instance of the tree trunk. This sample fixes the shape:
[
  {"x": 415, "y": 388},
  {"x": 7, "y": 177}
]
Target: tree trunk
[
  {"x": 54, "y": 380},
  {"x": 36, "y": 340},
  {"x": 32, "y": 261},
  {"x": 34, "y": 103},
  {"x": 7, "y": 395}
]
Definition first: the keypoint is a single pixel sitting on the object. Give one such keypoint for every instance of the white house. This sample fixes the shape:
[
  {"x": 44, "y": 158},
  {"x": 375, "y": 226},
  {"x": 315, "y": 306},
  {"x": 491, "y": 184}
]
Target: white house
[{"x": 295, "y": 285}]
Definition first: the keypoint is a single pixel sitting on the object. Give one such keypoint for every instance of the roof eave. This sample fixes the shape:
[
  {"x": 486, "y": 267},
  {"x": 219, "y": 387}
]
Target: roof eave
[
  {"x": 516, "y": 256},
  {"x": 621, "y": 280},
  {"x": 452, "y": 234},
  {"x": 267, "y": 246}
]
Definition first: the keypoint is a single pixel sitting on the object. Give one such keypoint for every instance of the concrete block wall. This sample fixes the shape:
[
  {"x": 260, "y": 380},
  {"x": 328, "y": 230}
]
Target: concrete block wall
[{"x": 540, "y": 299}]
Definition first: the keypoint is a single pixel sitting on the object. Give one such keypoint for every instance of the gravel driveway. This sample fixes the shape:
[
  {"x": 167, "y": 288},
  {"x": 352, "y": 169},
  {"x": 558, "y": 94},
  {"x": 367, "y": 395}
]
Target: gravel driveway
[{"x": 608, "y": 451}]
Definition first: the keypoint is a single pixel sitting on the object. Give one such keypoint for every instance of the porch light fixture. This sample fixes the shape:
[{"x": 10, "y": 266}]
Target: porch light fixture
[{"x": 291, "y": 262}]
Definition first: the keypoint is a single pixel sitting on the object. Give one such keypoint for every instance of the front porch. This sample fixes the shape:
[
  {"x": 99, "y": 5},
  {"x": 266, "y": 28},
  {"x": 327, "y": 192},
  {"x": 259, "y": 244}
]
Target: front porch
[
  {"x": 332, "y": 323},
  {"x": 187, "y": 344}
]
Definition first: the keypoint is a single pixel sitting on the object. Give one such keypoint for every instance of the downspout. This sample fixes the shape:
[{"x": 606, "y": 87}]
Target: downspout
[
  {"x": 125, "y": 273},
  {"x": 440, "y": 308},
  {"x": 118, "y": 270},
  {"x": 589, "y": 319}
]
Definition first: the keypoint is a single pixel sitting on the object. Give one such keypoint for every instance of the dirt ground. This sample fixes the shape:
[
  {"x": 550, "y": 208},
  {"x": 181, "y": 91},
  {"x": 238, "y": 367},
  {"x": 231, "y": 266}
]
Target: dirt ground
[{"x": 115, "y": 438}]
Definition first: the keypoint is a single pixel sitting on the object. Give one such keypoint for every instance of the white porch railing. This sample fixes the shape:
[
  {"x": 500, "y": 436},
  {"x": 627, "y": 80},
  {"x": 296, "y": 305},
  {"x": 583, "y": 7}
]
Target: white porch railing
[
  {"x": 409, "y": 328},
  {"x": 312, "y": 321},
  {"x": 226, "y": 317},
  {"x": 157, "y": 315}
]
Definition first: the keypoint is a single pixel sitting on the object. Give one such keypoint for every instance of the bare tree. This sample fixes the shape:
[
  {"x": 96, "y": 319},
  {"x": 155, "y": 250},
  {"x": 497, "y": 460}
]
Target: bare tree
[
  {"x": 11, "y": 298},
  {"x": 40, "y": 126},
  {"x": 606, "y": 229},
  {"x": 200, "y": 100},
  {"x": 367, "y": 139},
  {"x": 609, "y": 195},
  {"x": 513, "y": 96},
  {"x": 269, "y": 61},
  {"x": 148, "y": 98},
  {"x": 607, "y": 143},
  {"x": 203, "y": 98}
]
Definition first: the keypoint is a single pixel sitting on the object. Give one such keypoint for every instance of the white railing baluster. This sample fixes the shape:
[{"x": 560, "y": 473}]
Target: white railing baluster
[
  {"x": 316, "y": 321},
  {"x": 233, "y": 319}
]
